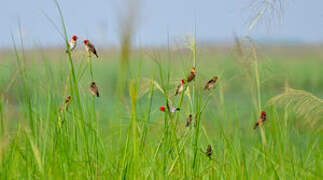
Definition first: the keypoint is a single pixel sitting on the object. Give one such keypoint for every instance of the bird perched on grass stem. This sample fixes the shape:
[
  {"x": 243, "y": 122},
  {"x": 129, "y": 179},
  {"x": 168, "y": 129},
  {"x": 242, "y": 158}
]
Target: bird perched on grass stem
[
  {"x": 180, "y": 87},
  {"x": 66, "y": 104},
  {"x": 209, "y": 151},
  {"x": 261, "y": 120},
  {"x": 94, "y": 90},
  {"x": 191, "y": 75},
  {"x": 210, "y": 84},
  {"x": 189, "y": 120},
  {"x": 169, "y": 108},
  {"x": 72, "y": 43},
  {"x": 90, "y": 48}
]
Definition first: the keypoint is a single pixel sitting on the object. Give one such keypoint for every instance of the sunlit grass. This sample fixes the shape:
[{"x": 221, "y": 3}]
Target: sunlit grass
[{"x": 123, "y": 135}]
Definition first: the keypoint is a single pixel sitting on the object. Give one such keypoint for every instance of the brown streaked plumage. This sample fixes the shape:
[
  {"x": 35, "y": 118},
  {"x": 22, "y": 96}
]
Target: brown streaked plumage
[
  {"x": 94, "y": 90},
  {"x": 209, "y": 151},
  {"x": 261, "y": 120},
  {"x": 90, "y": 48},
  {"x": 210, "y": 84},
  {"x": 189, "y": 120},
  {"x": 66, "y": 104},
  {"x": 180, "y": 87},
  {"x": 191, "y": 75}
]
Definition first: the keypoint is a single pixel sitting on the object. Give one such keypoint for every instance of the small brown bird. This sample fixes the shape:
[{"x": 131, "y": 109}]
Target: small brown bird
[
  {"x": 90, "y": 48},
  {"x": 94, "y": 90},
  {"x": 73, "y": 43},
  {"x": 191, "y": 75},
  {"x": 66, "y": 104},
  {"x": 209, "y": 151},
  {"x": 195, "y": 122},
  {"x": 261, "y": 120},
  {"x": 210, "y": 84},
  {"x": 189, "y": 120},
  {"x": 180, "y": 87}
]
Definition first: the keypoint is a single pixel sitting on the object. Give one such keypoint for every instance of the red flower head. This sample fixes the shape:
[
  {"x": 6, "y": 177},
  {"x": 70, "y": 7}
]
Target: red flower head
[
  {"x": 74, "y": 38},
  {"x": 86, "y": 42},
  {"x": 182, "y": 81},
  {"x": 162, "y": 108}
]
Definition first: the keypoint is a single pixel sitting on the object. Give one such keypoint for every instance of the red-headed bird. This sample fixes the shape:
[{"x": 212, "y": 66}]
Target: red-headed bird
[
  {"x": 90, "y": 48},
  {"x": 261, "y": 120},
  {"x": 191, "y": 75},
  {"x": 171, "y": 109},
  {"x": 94, "y": 90},
  {"x": 180, "y": 87},
  {"x": 210, "y": 84},
  {"x": 73, "y": 43}
]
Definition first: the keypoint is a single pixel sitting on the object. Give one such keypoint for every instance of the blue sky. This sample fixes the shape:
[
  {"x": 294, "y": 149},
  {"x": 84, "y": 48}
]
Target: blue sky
[{"x": 216, "y": 20}]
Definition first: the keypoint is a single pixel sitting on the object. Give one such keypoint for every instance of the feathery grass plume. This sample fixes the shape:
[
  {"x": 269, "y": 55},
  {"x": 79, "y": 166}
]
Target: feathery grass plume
[
  {"x": 304, "y": 104},
  {"x": 128, "y": 19},
  {"x": 145, "y": 86},
  {"x": 133, "y": 86},
  {"x": 247, "y": 59},
  {"x": 127, "y": 16},
  {"x": 266, "y": 10},
  {"x": 187, "y": 42}
]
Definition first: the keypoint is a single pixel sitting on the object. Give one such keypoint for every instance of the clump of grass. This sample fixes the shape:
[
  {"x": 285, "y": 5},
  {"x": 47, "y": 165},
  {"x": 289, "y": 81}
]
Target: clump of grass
[{"x": 147, "y": 143}]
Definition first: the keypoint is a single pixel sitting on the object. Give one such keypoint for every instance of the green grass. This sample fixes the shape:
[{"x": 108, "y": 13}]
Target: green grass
[
  {"x": 108, "y": 139},
  {"x": 123, "y": 135}
]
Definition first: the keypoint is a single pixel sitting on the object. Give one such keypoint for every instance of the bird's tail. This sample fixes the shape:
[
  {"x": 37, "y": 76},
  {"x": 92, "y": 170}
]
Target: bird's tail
[{"x": 256, "y": 125}]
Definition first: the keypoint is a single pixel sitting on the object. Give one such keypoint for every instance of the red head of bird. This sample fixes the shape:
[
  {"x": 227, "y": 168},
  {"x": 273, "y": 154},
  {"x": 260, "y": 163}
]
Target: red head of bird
[
  {"x": 162, "y": 108},
  {"x": 263, "y": 113},
  {"x": 86, "y": 42},
  {"x": 74, "y": 38},
  {"x": 182, "y": 81}
]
